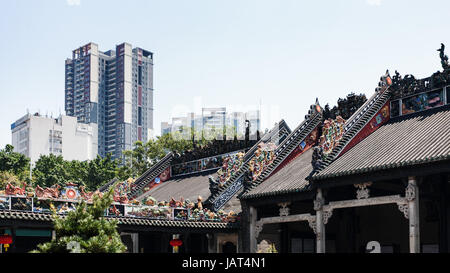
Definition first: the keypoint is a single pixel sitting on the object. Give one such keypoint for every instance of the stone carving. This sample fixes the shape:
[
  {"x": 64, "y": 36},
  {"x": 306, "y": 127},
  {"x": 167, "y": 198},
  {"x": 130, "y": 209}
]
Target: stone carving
[
  {"x": 363, "y": 191},
  {"x": 284, "y": 210},
  {"x": 318, "y": 203},
  {"x": 404, "y": 208},
  {"x": 266, "y": 247},
  {"x": 312, "y": 224},
  {"x": 410, "y": 193},
  {"x": 326, "y": 215},
  {"x": 258, "y": 229}
]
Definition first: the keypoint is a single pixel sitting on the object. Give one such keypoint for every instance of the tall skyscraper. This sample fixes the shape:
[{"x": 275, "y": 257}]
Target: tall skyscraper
[{"x": 113, "y": 89}]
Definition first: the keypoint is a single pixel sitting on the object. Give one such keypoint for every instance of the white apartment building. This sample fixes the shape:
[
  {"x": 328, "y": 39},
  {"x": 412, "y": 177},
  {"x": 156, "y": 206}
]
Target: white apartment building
[{"x": 36, "y": 135}]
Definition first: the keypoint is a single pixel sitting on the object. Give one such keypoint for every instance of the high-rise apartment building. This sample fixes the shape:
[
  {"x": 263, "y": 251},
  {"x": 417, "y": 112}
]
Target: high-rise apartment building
[{"x": 113, "y": 89}]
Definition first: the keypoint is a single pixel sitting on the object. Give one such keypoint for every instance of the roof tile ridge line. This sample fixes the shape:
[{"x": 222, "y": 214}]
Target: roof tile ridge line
[
  {"x": 344, "y": 144},
  {"x": 212, "y": 198},
  {"x": 385, "y": 166},
  {"x": 296, "y": 132},
  {"x": 168, "y": 156},
  {"x": 151, "y": 171},
  {"x": 264, "y": 177}
]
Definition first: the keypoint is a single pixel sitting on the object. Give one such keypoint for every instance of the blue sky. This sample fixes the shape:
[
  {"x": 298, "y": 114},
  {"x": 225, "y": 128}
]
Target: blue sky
[{"x": 235, "y": 53}]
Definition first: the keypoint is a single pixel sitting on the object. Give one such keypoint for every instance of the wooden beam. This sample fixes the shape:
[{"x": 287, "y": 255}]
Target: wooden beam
[{"x": 373, "y": 201}]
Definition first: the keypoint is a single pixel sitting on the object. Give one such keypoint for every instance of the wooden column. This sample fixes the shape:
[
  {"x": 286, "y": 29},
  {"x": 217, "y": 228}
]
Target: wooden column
[
  {"x": 412, "y": 196},
  {"x": 443, "y": 223},
  {"x": 320, "y": 226},
  {"x": 212, "y": 242},
  {"x": 252, "y": 229}
]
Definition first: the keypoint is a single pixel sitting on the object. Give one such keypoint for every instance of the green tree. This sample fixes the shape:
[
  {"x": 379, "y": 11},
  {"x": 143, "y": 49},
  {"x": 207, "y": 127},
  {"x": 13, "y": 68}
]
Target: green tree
[
  {"x": 87, "y": 227},
  {"x": 15, "y": 163},
  {"x": 100, "y": 171},
  {"x": 7, "y": 177},
  {"x": 50, "y": 170}
]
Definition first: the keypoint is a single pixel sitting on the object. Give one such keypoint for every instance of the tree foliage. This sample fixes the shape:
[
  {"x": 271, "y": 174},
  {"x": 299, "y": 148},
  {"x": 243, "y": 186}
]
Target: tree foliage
[
  {"x": 50, "y": 170},
  {"x": 14, "y": 163},
  {"x": 87, "y": 227}
]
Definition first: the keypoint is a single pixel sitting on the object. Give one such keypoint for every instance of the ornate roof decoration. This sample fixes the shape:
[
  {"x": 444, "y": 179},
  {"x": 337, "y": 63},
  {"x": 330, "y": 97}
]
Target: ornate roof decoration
[
  {"x": 221, "y": 195},
  {"x": 264, "y": 156},
  {"x": 335, "y": 139},
  {"x": 332, "y": 132},
  {"x": 409, "y": 85},
  {"x": 122, "y": 207},
  {"x": 371, "y": 154},
  {"x": 299, "y": 141},
  {"x": 46, "y": 217},
  {"x": 150, "y": 175}
]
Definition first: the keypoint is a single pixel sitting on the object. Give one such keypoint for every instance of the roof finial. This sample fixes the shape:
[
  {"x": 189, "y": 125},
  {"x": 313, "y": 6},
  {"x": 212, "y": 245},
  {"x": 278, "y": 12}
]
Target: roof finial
[{"x": 444, "y": 58}]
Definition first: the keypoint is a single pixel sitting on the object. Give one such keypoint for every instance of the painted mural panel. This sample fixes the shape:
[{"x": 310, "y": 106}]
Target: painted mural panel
[{"x": 422, "y": 102}]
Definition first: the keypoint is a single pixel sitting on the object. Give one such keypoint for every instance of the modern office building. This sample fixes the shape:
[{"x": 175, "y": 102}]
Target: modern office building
[
  {"x": 36, "y": 135},
  {"x": 113, "y": 89}
]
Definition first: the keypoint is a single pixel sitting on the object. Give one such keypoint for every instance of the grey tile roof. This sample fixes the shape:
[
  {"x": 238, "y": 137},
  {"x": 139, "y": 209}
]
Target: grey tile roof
[
  {"x": 36, "y": 216},
  {"x": 189, "y": 187},
  {"x": 290, "y": 178},
  {"x": 409, "y": 140}
]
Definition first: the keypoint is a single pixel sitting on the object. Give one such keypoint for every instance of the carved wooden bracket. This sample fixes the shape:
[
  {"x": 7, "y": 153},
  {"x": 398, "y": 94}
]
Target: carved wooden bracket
[
  {"x": 363, "y": 191},
  {"x": 403, "y": 207},
  {"x": 284, "y": 210},
  {"x": 326, "y": 215},
  {"x": 312, "y": 224},
  {"x": 258, "y": 228},
  {"x": 410, "y": 192}
]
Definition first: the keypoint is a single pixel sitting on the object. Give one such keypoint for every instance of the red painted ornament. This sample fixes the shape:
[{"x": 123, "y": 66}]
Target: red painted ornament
[
  {"x": 176, "y": 242},
  {"x": 5, "y": 239}
]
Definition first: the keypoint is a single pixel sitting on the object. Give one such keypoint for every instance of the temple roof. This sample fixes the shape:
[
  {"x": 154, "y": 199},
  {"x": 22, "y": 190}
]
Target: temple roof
[
  {"x": 409, "y": 140},
  {"x": 188, "y": 187},
  {"x": 46, "y": 217},
  {"x": 290, "y": 178}
]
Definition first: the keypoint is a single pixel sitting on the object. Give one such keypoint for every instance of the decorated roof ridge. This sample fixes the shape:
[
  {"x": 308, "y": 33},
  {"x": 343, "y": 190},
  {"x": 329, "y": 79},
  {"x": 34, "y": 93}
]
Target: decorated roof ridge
[
  {"x": 284, "y": 150},
  {"x": 105, "y": 187},
  {"x": 47, "y": 217},
  {"x": 150, "y": 208},
  {"x": 411, "y": 157},
  {"x": 247, "y": 157},
  {"x": 149, "y": 176},
  {"x": 409, "y": 85},
  {"x": 356, "y": 123}
]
